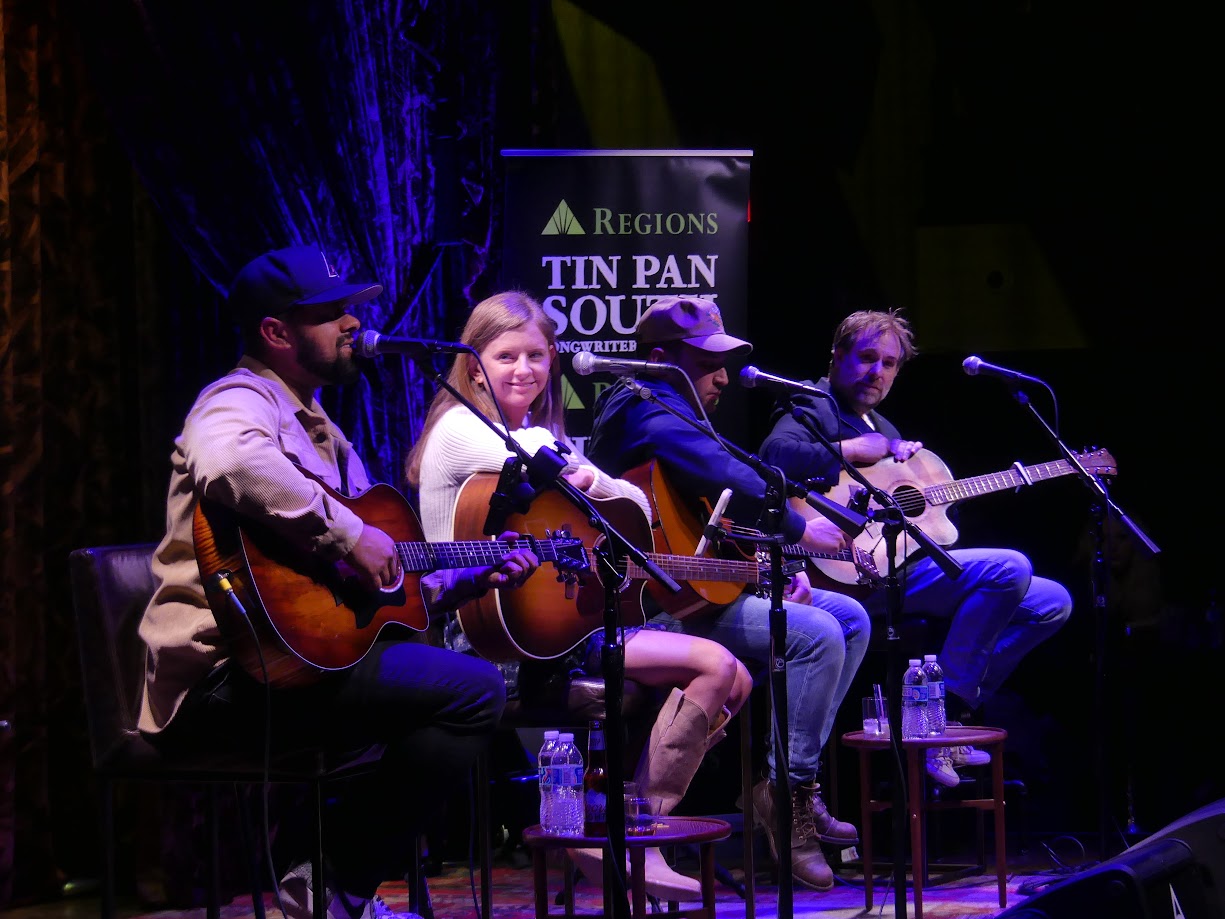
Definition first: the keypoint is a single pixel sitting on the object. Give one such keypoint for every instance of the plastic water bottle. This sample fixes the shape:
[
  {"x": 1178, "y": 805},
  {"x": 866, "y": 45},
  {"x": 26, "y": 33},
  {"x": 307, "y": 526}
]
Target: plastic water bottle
[
  {"x": 937, "y": 719},
  {"x": 914, "y": 701},
  {"x": 544, "y": 774},
  {"x": 567, "y": 787}
]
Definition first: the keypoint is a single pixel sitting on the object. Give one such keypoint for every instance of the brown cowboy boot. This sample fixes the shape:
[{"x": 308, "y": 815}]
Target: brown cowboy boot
[
  {"x": 717, "y": 730},
  {"x": 808, "y": 865},
  {"x": 680, "y": 738}
]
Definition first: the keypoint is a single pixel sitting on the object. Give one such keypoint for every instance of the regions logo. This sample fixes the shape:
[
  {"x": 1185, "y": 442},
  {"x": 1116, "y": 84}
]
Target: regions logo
[{"x": 563, "y": 223}]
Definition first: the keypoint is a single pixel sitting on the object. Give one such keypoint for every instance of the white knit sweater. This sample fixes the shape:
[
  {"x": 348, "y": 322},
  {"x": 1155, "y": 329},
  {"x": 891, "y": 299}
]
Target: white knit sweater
[{"x": 462, "y": 444}]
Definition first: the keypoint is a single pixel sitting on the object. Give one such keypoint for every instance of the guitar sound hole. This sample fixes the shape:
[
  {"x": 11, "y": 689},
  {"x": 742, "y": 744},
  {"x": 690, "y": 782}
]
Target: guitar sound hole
[{"x": 910, "y": 500}]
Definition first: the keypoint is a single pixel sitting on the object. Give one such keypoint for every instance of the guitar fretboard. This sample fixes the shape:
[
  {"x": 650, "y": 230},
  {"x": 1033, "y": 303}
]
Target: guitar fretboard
[
  {"x": 699, "y": 568},
  {"x": 430, "y": 556},
  {"x": 995, "y": 481}
]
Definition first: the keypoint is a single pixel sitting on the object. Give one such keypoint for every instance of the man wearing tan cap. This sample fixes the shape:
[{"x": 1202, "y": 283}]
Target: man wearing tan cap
[{"x": 827, "y": 633}]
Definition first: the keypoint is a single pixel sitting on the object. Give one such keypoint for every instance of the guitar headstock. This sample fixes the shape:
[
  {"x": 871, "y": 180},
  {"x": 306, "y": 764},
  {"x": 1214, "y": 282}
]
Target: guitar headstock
[{"x": 1098, "y": 461}]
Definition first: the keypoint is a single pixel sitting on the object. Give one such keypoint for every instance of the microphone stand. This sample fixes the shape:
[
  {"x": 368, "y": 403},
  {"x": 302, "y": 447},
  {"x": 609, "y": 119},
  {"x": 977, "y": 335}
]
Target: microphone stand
[
  {"x": 1099, "y": 576},
  {"x": 523, "y": 477},
  {"x": 778, "y": 489},
  {"x": 893, "y": 522}
]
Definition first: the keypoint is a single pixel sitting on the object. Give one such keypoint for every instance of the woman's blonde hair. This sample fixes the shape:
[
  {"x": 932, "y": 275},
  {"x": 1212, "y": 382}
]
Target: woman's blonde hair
[{"x": 494, "y": 316}]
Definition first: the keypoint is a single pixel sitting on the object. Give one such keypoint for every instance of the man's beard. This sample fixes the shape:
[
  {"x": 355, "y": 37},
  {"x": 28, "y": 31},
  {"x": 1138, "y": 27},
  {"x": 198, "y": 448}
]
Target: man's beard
[{"x": 336, "y": 371}]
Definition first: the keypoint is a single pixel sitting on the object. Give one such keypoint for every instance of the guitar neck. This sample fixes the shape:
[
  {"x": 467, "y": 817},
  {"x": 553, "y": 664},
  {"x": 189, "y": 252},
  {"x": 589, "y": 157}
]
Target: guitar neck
[
  {"x": 699, "y": 568},
  {"x": 795, "y": 551},
  {"x": 961, "y": 489},
  {"x": 472, "y": 553}
]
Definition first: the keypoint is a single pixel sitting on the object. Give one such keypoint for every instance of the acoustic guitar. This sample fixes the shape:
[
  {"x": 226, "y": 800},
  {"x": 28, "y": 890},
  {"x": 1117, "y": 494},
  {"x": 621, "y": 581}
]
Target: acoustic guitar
[
  {"x": 545, "y": 619},
  {"x": 924, "y": 490},
  {"x": 678, "y": 530},
  {"x": 293, "y": 616}
]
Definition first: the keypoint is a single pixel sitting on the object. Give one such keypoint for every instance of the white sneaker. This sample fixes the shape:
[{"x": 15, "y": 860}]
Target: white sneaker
[
  {"x": 297, "y": 897},
  {"x": 965, "y": 755},
  {"x": 940, "y": 767}
]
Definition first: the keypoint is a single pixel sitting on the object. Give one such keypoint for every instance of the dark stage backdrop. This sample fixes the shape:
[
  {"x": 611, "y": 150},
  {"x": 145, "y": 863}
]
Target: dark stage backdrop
[{"x": 1035, "y": 183}]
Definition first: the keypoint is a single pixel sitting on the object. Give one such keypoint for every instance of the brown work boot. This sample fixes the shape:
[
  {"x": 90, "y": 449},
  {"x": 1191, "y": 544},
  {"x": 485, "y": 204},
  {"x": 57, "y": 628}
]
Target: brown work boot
[
  {"x": 808, "y": 865},
  {"x": 826, "y": 827}
]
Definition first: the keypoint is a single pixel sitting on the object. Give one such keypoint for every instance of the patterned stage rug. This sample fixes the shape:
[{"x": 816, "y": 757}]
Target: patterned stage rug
[{"x": 455, "y": 894}]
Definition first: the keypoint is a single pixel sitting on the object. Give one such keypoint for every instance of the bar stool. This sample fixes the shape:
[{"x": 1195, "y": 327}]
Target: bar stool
[
  {"x": 989, "y": 739},
  {"x": 702, "y": 832}
]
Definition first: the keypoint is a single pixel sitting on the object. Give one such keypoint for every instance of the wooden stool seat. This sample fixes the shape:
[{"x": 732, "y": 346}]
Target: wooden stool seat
[
  {"x": 703, "y": 832},
  {"x": 991, "y": 740}
]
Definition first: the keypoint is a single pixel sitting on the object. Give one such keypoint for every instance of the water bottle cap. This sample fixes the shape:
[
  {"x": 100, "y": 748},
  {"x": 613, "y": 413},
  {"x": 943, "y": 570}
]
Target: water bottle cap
[
  {"x": 552, "y": 735},
  {"x": 914, "y": 662},
  {"x": 566, "y": 737},
  {"x": 929, "y": 657}
]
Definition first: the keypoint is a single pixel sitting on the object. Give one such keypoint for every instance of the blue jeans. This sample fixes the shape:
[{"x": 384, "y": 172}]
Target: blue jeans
[
  {"x": 999, "y": 612},
  {"x": 825, "y": 644},
  {"x": 433, "y": 709}
]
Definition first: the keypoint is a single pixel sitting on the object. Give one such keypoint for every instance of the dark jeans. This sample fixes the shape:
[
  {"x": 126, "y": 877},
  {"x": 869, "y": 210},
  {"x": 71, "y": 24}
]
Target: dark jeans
[{"x": 433, "y": 709}]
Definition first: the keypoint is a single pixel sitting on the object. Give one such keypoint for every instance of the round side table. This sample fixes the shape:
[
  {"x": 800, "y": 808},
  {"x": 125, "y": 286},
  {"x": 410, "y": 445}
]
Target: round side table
[
  {"x": 989, "y": 739},
  {"x": 703, "y": 832}
]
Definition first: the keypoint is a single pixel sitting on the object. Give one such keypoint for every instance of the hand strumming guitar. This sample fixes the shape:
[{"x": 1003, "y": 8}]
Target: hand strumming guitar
[
  {"x": 823, "y": 535},
  {"x": 374, "y": 560},
  {"x": 873, "y": 446}
]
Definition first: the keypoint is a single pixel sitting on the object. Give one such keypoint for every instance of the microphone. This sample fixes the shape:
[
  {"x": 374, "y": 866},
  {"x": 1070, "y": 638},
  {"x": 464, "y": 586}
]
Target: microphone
[
  {"x": 750, "y": 377},
  {"x": 586, "y": 363},
  {"x": 370, "y": 343},
  {"x": 974, "y": 365},
  {"x": 712, "y": 525}
]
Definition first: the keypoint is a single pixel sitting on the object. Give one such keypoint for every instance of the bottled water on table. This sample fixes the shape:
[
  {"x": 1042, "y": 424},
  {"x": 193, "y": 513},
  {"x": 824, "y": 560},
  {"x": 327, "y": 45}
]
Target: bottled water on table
[
  {"x": 544, "y": 775},
  {"x": 567, "y": 787},
  {"x": 914, "y": 701},
  {"x": 936, "y": 717}
]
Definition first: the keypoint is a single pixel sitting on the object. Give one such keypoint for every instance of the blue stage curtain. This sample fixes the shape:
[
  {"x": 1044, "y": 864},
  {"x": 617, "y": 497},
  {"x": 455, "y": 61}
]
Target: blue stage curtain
[{"x": 361, "y": 125}]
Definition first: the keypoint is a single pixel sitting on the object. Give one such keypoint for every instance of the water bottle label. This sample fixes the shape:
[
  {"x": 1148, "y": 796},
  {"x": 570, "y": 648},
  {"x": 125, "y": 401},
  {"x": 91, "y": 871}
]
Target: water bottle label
[
  {"x": 935, "y": 691},
  {"x": 544, "y": 775},
  {"x": 915, "y": 692}
]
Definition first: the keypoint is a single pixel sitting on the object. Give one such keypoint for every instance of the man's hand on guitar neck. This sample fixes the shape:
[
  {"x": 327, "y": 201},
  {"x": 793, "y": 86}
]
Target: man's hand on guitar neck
[
  {"x": 516, "y": 566},
  {"x": 872, "y": 447}
]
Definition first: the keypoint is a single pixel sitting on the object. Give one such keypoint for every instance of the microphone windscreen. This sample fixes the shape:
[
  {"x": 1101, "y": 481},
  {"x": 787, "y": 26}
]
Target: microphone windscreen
[
  {"x": 367, "y": 343},
  {"x": 583, "y": 363}
]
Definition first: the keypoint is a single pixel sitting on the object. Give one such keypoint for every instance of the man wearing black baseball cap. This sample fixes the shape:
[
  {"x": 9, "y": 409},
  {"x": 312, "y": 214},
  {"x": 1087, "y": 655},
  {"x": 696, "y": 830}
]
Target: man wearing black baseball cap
[{"x": 258, "y": 454}]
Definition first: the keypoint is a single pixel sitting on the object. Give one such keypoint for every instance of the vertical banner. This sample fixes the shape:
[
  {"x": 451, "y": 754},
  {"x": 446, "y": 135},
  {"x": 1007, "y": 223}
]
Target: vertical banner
[{"x": 599, "y": 235}]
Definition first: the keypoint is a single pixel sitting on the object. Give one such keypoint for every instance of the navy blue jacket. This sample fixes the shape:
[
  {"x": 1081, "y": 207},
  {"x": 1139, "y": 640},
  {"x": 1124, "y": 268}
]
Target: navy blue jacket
[
  {"x": 802, "y": 457},
  {"x": 629, "y": 431}
]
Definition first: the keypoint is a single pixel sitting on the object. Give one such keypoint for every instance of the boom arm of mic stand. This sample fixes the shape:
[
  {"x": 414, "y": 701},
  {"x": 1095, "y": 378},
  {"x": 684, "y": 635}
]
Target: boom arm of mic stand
[{"x": 1090, "y": 481}]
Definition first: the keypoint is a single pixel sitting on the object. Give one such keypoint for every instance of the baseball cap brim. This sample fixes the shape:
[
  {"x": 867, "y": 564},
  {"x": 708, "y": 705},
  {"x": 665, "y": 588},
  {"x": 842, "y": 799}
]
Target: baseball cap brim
[
  {"x": 347, "y": 293},
  {"x": 721, "y": 343}
]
